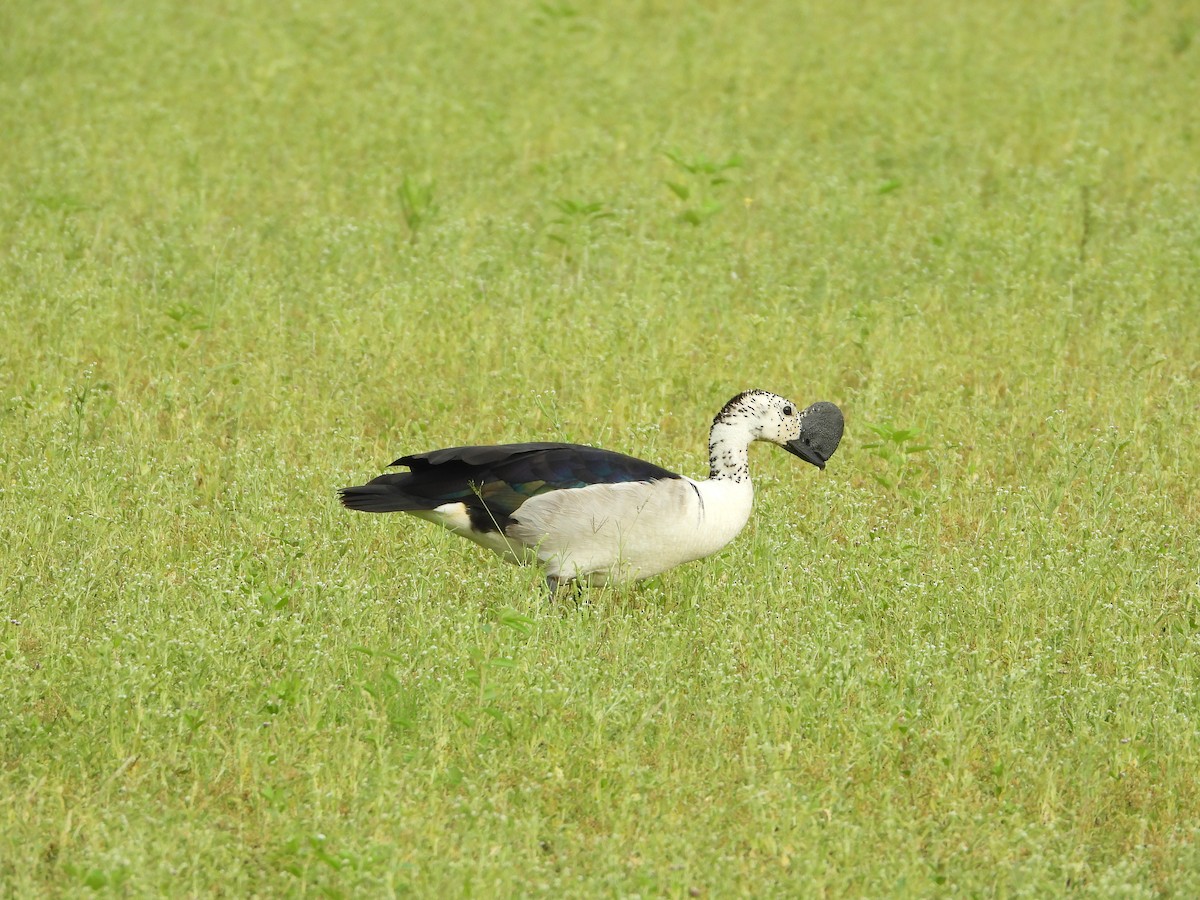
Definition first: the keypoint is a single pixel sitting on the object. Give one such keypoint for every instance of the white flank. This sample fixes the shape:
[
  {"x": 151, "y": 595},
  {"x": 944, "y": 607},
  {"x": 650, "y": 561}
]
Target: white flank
[
  {"x": 454, "y": 517},
  {"x": 631, "y": 530}
]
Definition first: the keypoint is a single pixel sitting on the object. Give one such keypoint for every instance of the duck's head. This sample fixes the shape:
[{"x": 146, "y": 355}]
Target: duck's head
[{"x": 812, "y": 434}]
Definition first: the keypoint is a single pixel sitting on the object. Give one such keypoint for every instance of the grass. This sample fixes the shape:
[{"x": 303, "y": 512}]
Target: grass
[{"x": 251, "y": 253}]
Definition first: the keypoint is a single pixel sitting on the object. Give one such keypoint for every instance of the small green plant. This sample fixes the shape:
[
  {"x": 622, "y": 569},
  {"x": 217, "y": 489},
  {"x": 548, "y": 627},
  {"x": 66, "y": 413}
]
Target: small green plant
[
  {"x": 547, "y": 404},
  {"x": 491, "y": 664},
  {"x": 701, "y": 182},
  {"x": 280, "y": 695},
  {"x": 897, "y": 447},
  {"x": 576, "y": 221},
  {"x": 100, "y": 879},
  {"x": 91, "y": 404},
  {"x": 185, "y": 322},
  {"x": 1184, "y": 36},
  {"x": 555, "y": 12},
  {"x": 416, "y": 204}
]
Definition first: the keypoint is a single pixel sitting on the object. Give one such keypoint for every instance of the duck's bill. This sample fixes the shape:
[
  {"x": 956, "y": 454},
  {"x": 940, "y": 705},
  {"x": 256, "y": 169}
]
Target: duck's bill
[{"x": 807, "y": 453}]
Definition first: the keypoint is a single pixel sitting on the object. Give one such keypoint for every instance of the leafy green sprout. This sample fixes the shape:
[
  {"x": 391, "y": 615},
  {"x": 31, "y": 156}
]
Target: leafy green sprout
[
  {"x": 700, "y": 182},
  {"x": 416, "y": 204},
  {"x": 896, "y": 447},
  {"x": 575, "y": 219}
]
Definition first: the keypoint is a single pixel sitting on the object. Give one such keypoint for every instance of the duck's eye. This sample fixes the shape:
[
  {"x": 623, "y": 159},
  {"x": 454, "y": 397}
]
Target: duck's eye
[{"x": 789, "y": 410}]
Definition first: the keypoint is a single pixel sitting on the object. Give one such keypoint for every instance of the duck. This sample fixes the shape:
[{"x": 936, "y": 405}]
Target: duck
[{"x": 594, "y": 516}]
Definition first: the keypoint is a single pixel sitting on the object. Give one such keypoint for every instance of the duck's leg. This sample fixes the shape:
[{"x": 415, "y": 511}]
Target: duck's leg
[{"x": 565, "y": 587}]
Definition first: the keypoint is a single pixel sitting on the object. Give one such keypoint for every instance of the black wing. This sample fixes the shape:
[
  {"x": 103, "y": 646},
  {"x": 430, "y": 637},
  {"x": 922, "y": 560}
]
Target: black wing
[{"x": 493, "y": 481}]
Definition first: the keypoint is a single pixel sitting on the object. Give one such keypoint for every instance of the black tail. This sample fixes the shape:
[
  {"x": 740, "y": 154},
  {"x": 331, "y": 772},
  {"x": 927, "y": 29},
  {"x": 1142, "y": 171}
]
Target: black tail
[{"x": 380, "y": 495}]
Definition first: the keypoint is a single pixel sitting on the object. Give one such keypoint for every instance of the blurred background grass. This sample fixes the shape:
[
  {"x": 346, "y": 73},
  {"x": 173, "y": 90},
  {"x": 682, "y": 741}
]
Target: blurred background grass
[{"x": 251, "y": 252}]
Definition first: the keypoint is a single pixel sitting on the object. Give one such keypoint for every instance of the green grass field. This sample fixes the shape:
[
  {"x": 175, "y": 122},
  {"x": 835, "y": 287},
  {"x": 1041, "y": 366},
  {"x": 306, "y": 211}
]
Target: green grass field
[{"x": 252, "y": 252}]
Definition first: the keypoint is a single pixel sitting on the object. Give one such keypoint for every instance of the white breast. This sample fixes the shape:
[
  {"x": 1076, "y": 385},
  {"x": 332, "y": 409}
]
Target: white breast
[{"x": 631, "y": 530}]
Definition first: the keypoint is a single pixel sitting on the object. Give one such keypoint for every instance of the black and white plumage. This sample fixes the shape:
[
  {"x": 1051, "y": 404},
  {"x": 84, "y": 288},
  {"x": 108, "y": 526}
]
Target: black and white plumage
[{"x": 596, "y": 515}]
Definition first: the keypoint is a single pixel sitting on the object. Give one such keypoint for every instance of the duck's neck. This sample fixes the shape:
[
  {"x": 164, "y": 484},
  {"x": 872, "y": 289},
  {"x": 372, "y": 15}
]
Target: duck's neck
[{"x": 729, "y": 451}]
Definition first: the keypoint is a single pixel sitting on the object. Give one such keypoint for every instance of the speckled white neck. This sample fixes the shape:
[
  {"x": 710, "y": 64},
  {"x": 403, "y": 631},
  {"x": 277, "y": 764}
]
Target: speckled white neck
[{"x": 729, "y": 448}]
